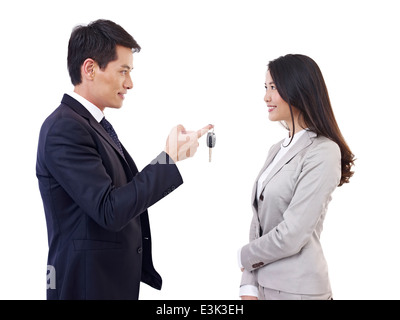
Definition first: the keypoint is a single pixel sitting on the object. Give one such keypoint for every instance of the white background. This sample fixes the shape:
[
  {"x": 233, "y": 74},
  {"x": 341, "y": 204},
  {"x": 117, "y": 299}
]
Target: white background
[{"x": 205, "y": 62}]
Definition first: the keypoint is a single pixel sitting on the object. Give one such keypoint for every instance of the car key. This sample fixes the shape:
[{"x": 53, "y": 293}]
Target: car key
[{"x": 211, "y": 139}]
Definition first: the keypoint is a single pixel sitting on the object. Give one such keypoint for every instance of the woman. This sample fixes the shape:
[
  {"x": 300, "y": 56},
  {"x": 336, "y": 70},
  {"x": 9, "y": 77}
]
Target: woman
[{"x": 284, "y": 259}]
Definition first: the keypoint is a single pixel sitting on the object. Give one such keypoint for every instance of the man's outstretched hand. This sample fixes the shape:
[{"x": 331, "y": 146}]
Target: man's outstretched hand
[{"x": 182, "y": 144}]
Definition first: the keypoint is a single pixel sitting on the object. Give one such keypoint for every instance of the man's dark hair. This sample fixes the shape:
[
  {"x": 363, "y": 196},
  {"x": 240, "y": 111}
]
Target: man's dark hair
[{"x": 98, "y": 41}]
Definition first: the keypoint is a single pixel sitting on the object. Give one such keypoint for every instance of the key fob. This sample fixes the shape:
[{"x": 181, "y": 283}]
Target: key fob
[{"x": 211, "y": 139}]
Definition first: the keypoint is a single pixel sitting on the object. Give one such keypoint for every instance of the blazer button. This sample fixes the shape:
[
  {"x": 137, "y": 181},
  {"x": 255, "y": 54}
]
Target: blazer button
[
  {"x": 257, "y": 265},
  {"x": 139, "y": 250}
]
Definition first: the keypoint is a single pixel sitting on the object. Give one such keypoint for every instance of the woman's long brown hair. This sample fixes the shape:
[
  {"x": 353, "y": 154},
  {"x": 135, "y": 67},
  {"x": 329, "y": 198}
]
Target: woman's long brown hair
[{"x": 300, "y": 83}]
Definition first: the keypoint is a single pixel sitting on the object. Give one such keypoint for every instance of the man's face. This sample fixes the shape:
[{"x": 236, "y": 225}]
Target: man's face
[{"x": 111, "y": 84}]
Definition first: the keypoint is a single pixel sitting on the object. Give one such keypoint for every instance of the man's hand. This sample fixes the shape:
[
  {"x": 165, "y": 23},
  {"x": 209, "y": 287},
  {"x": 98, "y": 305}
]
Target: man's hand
[{"x": 182, "y": 144}]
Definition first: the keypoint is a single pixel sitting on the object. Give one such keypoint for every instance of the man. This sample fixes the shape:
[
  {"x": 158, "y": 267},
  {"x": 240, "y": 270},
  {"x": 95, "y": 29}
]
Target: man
[{"x": 94, "y": 198}]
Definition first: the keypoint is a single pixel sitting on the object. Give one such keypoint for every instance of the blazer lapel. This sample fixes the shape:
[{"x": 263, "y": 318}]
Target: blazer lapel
[
  {"x": 304, "y": 141},
  {"x": 81, "y": 110},
  {"x": 101, "y": 131},
  {"x": 271, "y": 155}
]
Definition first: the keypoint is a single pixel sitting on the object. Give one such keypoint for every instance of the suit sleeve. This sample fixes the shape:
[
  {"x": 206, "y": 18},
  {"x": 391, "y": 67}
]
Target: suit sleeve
[
  {"x": 248, "y": 277},
  {"x": 320, "y": 176},
  {"x": 72, "y": 158}
]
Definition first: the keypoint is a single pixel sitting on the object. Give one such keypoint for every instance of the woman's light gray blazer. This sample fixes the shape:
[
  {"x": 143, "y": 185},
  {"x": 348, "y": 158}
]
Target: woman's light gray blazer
[{"x": 284, "y": 252}]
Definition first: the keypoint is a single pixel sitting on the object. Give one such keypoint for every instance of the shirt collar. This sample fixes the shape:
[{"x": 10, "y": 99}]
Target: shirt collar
[{"x": 94, "y": 111}]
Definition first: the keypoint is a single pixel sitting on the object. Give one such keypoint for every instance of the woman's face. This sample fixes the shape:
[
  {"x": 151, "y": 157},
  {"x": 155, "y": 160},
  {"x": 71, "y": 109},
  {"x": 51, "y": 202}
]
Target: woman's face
[{"x": 278, "y": 109}]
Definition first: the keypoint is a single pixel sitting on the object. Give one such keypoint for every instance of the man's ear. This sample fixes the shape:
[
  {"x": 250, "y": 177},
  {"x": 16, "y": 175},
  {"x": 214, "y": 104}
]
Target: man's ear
[{"x": 88, "y": 69}]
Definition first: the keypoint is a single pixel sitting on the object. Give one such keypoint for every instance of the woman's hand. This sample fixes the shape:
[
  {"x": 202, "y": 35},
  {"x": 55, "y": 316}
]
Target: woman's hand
[{"x": 248, "y": 298}]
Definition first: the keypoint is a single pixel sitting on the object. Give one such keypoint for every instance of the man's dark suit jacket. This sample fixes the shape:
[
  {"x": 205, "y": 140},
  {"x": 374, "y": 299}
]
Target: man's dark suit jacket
[{"x": 95, "y": 202}]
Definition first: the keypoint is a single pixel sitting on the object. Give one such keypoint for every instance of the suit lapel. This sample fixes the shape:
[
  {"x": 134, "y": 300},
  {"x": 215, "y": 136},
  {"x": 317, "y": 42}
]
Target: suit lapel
[
  {"x": 271, "y": 155},
  {"x": 131, "y": 163},
  {"x": 126, "y": 160},
  {"x": 101, "y": 131},
  {"x": 304, "y": 141},
  {"x": 81, "y": 110}
]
